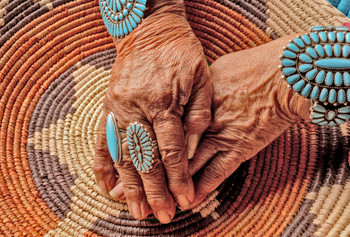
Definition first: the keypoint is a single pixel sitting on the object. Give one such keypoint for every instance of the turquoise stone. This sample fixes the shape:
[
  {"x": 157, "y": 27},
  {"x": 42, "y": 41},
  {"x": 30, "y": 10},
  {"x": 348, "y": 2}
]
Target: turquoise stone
[
  {"x": 347, "y": 37},
  {"x": 145, "y": 139},
  {"x": 119, "y": 7},
  {"x": 344, "y": 110},
  {"x": 292, "y": 79},
  {"x": 333, "y": 63},
  {"x": 341, "y": 96},
  {"x": 343, "y": 28},
  {"x": 324, "y": 94},
  {"x": 140, "y": 6},
  {"x": 289, "y": 70},
  {"x": 346, "y": 78},
  {"x": 343, "y": 117},
  {"x": 120, "y": 28},
  {"x": 293, "y": 47},
  {"x": 314, "y": 37},
  {"x": 305, "y": 58},
  {"x": 288, "y": 62},
  {"x": 317, "y": 115},
  {"x": 311, "y": 74},
  {"x": 340, "y": 121},
  {"x": 120, "y": 16},
  {"x": 317, "y": 28},
  {"x": 346, "y": 50},
  {"x": 306, "y": 39},
  {"x": 125, "y": 30},
  {"x": 338, "y": 79},
  {"x": 320, "y": 77},
  {"x": 311, "y": 52},
  {"x": 136, "y": 18},
  {"x": 306, "y": 91},
  {"x": 128, "y": 25},
  {"x": 331, "y": 123},
  {"x": 299, "y": 85},
  {"x": 331, "y": 36},
  {"x": 318, "y": 121},
  {"x": 315, "y": 92},
  {"x": 348, "y": 94},
  {"x": 132, "y": 22},
  {"x": 329, "y": 79},
  {"x": 337, "y": 50},
  {"x": 299, "y": 42},
  {"x": 320, "y": 50},
  {"x": 142, "y": 1},
  {"x": 125, "y": 12},
  {"x": 112, "y": 141},
  {"x": 115, "y": 17},
  {"x": 332, "y": 97},
  {"x": 329, "y": 50},
  {"x": 340, "y": 36},
  {"x": 122, "y": 2},
  {"x": 323, "y": 123},
  {"x": 138, "y": 12},
  {"x": 128, "y": 6},
  {"x": 305, "y": 67},
  {"x": 323, "y": 36},
  {"x": 320, "y": 109},
  {"x": 289, "y": 54}
]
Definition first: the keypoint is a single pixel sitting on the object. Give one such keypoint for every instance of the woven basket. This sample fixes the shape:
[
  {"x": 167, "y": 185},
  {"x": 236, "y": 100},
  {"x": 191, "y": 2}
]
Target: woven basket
[{"x": 55, "y": 63}]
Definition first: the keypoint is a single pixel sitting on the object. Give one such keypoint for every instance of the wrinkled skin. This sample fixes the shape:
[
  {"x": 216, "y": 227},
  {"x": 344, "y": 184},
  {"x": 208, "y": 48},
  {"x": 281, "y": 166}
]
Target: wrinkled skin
[
  {"x": 252, "y": 107},
  {"x": 160, "y": 78}
]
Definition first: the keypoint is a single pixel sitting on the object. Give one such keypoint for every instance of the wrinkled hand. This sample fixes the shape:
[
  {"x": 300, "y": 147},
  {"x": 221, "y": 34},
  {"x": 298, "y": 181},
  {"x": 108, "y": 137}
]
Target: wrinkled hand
[
  {"x": 252, "y": 106},
  {"x": 161, "y": 79}
]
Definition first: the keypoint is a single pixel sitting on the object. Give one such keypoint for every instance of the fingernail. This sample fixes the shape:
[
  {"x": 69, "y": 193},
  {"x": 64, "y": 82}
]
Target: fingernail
[
  {"x": 192, "y": 143},
  {"x": 103, "y": 186},
  {"x": 135, "y": 209},
  {"x": 163, "y": 217},
  {"x": 183, "y": 201},
  {"x": 117, "y": 191}
]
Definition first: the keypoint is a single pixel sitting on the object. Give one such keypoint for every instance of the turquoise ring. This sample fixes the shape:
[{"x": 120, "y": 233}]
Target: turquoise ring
[
  {"x": 114, "y": 141},
  {"x": 316, "y": 66},
  {"x": 140, "y": 146}
]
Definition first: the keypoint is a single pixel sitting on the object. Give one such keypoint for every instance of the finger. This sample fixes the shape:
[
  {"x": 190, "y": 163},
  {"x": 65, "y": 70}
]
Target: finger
[
  {"x": 103, "y": 164},
  {"x": 170, "y": 137},
  {"x": 197, "y": 112},
  {"x": 205, "y": 151},
  {"x": 132, "y": 187},
  {"x": 154, "y": 182},
  {"x": 220, "y": 167}
]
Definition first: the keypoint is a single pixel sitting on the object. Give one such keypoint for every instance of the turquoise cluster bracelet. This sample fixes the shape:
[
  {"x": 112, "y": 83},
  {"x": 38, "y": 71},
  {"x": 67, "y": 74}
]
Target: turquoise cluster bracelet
[
  {"x": 121, "y": 17},
  {"x": 316, "y": 66}
]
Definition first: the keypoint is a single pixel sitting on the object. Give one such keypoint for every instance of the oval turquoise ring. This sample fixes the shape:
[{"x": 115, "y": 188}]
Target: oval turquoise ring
[
  {"x": 140, "y": 146},
  {"x": 317, "y": 66},
  {"x": 114, "y": 141}
]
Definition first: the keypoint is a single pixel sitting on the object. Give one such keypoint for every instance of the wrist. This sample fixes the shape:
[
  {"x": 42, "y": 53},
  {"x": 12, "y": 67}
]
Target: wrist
[{"x": 165, "y": 6}]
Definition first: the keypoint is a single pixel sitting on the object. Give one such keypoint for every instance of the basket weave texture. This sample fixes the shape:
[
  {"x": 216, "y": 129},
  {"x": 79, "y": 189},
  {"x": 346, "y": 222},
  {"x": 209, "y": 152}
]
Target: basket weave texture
[{"x": 55, "y": 64}]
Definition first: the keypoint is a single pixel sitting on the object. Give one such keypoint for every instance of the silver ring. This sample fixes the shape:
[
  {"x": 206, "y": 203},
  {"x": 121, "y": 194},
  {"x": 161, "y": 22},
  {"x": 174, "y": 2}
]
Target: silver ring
[{"x": 140, "y": 145}]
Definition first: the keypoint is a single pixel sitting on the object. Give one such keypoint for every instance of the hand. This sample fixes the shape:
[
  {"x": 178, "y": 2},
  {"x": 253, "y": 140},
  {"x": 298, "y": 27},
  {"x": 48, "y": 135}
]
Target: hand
[
  {"x": 161, "y": 79},
  {"x": 252, "y": 107}
]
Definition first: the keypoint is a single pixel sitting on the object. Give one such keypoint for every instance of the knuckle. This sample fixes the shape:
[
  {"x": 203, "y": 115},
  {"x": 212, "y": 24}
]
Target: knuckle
[
  {"x": 132, "y": 191},
  {"x": 172, "y": 158},
  {"x": 157, "y": 201},
  {"x": 99, "y": 168}
]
